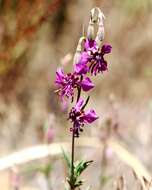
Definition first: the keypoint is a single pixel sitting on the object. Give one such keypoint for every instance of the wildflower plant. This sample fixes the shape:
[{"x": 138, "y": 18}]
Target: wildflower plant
[{"x": 88, "y": 60}]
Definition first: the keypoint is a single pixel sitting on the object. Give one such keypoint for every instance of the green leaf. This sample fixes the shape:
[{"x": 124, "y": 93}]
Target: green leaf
[
  {"x": 81, "y": 166},
  {"x": 67, "y": 159},
  {"x": 78, "y": 183}
]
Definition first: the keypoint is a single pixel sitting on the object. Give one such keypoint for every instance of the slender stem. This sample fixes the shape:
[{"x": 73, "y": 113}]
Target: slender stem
[
  {"x": 85, "y": 103},
  {"x": 79, "y": 90},
  {"x": 79, "y": 93},
  {"x": 73, "y": 143},
  {"x": 72, "y": 155}
]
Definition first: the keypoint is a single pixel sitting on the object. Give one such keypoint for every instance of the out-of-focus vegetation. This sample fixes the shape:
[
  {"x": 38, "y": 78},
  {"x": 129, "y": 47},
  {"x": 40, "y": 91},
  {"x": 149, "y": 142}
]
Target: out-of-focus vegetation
[{"x": 35, "y": 37}]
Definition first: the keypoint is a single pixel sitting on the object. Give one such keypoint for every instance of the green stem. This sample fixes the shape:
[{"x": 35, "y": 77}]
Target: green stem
[
  {"x": 73, "y": 146},
  {"x": 72, "y": 159}
]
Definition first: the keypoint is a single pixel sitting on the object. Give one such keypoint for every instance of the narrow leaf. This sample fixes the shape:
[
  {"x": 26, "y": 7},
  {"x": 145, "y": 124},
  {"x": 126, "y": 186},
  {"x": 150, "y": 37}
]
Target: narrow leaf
[{"x": 67, "y": 159}]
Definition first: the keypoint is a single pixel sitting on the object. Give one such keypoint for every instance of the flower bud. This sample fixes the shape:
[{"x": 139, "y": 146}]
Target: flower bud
[
  {"x": 90, "y": 31},
  {"x": 100, "y": 33},
  {"x": 76, "y": 58},
  {"x": 94, "y": 14},
  {"x": 77, "y": 54}
]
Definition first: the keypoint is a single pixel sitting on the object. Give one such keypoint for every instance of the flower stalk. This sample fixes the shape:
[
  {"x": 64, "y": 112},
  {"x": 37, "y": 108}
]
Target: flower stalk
[
  {"x": 88, "y": 60},
  {"x": 72, "y": 158}
]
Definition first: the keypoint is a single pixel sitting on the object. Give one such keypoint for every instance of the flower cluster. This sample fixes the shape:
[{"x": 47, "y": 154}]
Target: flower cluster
[
  {"x": 68, "y": 82},
  {"x": 92, "y": 58},
  {"x": 79, "y": 117},
  {"x": 89, "y": 60}
]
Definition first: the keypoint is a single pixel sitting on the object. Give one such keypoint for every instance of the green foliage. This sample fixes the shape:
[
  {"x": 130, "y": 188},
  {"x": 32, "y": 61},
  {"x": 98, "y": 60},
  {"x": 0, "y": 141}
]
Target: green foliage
[
  {"x": 67, "y": 159},
  {"x": 79, "y": 166}
]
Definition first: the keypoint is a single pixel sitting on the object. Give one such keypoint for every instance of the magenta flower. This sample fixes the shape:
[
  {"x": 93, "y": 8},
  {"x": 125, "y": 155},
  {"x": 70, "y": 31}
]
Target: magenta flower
[
  {"x": 79, "y": 117},
  {"x": 86, "y": 84},
  {"x": 68, "y": 82},
  {"x": 81, "y": 67},
  {"x": 106, "y": 49},
  {"x": 92, "y": 59},
  {"x": 97, "y": 62},
  {"x": 90, "y": 116},
  {"x": 90, "y": 45}
]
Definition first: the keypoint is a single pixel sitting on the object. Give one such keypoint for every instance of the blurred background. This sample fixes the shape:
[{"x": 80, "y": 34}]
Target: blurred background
[{"x": 38, "y": 36}]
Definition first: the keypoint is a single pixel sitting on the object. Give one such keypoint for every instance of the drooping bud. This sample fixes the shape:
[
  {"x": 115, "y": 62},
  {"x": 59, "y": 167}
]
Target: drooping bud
[
  {"x": 94, "y": 14},
  {"x": 90, "y": 31},
  {"x": 93, "y": 20},
  {"x": 100, "y": 33},
  {"x": 77, "y": 54},
  {"x": 76, "y": 58}
]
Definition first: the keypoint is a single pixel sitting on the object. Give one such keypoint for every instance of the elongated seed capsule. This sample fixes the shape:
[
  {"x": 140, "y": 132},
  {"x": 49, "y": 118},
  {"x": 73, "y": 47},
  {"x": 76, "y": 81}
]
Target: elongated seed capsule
[{"x": 77, "y": 54}]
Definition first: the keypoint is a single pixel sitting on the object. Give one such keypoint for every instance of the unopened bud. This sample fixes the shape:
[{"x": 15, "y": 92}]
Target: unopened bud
[
  {"x": 93, "y": 20},
  {"x": 76, "y": 58},
  {"x": 90, "y": 31},
  {"x": 77, "y": 54},
  {"x": 100, "y": 33},
  {"x": 94, "y": 14}
]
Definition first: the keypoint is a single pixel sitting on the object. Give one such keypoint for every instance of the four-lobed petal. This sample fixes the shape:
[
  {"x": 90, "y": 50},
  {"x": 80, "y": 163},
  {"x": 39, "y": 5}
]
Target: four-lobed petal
[
  {"x": 87, "y": 84},
  {"x": 59, "y": 76},
  {"x": 90, "y": 116},
  {"x": 106, "y": 48},
  {"x": 79, "y": 117}
]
